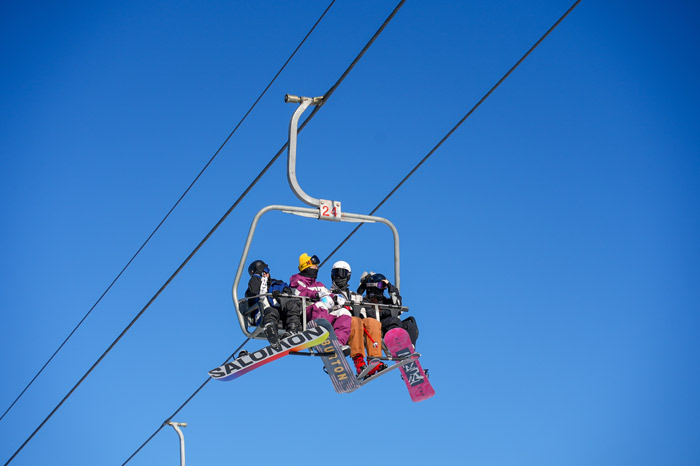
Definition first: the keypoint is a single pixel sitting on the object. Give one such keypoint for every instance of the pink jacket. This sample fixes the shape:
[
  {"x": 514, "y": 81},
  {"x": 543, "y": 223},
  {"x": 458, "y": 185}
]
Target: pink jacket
[
  {"x": 306, "y": 286},
  {"x": 309, "y": 287}
]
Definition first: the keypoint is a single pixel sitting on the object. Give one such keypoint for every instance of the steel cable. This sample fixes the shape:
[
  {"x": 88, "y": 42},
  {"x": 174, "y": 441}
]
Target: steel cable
[
  {"x": 211, "y": 232},
  {"x": 170, "y": 211},
  {"x": 454, "y": 128},
  {"x": 399, "y": 185},
  {"x": 182, "y": 405}
]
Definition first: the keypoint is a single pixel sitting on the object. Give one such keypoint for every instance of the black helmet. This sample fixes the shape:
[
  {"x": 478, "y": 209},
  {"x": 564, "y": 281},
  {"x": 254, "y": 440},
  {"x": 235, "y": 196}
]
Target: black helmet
[
  {"x": 257, "y": 268},
  {"x": 373, "y": 284}
]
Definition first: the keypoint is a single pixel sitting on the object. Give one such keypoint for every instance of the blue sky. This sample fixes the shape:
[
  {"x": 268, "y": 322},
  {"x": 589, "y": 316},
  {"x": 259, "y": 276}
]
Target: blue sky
[{"x": 549, "y": 248}]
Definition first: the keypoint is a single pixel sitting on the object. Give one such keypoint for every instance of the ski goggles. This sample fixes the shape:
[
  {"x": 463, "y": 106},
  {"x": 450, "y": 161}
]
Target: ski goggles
[
  {"x": 313, "y": 260},
  {"x": 380, "y": 285},
  {"x": 340, "y": 273},
  {"x": 266, "y": 270}
]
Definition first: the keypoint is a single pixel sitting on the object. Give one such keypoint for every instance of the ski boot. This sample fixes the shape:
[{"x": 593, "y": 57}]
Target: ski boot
[
  {"x": 272, "y": 335},
  {"x": 378, "y": 368},
  {"x": 360, "y": 363},
  {"x": 292, "y": 329}
]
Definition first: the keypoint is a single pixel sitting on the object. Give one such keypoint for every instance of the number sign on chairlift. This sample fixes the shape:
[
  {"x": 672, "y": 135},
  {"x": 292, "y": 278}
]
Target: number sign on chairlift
[{"x": 329, "y": 210}]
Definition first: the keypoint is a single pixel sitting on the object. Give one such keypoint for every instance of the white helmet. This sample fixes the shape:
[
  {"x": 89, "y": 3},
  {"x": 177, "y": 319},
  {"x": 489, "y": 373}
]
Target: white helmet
[
  {"x": 341, "y": 269},
  {"x": 342, "y": 265}
]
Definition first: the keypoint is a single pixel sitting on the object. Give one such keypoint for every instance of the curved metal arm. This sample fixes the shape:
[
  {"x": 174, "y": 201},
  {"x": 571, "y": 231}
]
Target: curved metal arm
[
  {"x": 292, "y": 147},
  {"x": 306, "y": 212},
  {"x": 176, "y": 426}
]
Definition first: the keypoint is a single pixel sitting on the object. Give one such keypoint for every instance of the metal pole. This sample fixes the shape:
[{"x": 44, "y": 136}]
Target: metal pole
[
  {"x": 176, "y": 426},
  {"x": 292, "y": 146}
]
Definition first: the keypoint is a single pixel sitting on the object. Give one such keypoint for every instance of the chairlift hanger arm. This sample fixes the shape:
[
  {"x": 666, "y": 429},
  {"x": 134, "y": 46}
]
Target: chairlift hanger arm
[{"x": 304, "y": 102}]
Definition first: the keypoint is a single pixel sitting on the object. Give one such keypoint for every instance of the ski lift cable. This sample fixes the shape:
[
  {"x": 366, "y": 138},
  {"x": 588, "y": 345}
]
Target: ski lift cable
[
  {"x": 398, "y": 186},
  {"x": 171, "y": 209},
  {"x": 326, "y": 95},
  {"x": 454, "y": 128},
  {"x": 182, "y": 405},
  {"x": 211, "y": 232}
]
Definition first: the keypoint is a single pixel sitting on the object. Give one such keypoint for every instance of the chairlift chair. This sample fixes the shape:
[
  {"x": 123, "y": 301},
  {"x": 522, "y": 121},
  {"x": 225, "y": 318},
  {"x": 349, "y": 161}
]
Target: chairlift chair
[{"x": 321, "y": 209}]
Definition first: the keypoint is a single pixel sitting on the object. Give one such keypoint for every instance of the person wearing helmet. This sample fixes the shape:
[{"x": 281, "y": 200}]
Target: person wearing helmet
[
  {"x": 365, "y": 331},
  {"x": 373, "y": 286},
  {"x": 324, "y": 305},
  {"x": 273, "y": 307}
]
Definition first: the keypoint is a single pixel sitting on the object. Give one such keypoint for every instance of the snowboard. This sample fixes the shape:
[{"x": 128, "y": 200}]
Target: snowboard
[
  {"x": 399, "y": 344},
  {"x": 337, "y": 366},
  {"x": 244, "y": 364}
]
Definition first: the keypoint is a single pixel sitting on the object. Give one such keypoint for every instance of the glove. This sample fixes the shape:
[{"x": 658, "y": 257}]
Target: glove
[
  {"x": 276, "y": 294},
  {"x": 340, "y": 300},
  {"x": 327, "y": 302},
  {"x": 323, "y": 293},
  {"x": 341, "y": 312}
]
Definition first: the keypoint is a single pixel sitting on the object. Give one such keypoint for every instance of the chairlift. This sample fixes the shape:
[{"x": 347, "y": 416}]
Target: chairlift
[{"x": 320, "y": 209}]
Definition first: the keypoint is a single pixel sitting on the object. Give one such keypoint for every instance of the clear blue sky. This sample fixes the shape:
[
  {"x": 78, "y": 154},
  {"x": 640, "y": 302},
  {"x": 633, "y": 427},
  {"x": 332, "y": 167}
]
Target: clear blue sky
[{"x": 550, "y": 247}]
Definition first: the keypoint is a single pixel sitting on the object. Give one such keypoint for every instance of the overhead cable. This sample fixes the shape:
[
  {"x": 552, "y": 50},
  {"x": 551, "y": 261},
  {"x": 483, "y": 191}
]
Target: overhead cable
[
  {"x": 454, "y": 128},
  {"x": 211, "y": 232},
  {"x": 182, "y": 405},
  {"x": 390, "y": 194},
  {"x": 171, "y": 209}
]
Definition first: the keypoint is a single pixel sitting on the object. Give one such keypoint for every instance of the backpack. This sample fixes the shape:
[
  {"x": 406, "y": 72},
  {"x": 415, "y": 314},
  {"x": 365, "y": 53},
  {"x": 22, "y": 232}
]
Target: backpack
[{"x": 277, "y": 285}]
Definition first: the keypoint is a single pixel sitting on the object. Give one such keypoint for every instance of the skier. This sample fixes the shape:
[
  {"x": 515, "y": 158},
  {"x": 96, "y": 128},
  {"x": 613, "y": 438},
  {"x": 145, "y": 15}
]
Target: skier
[
  {"x": 324, "y": 306},
  {"x": 373, "y": 286},
  {"x": 366, "y": 330},
  {"x": 273, "y": 307}
]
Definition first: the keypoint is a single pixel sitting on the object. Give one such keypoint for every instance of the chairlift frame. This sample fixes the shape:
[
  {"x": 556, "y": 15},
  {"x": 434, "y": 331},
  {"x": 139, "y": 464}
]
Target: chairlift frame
[{"x": 321, "y": 209}]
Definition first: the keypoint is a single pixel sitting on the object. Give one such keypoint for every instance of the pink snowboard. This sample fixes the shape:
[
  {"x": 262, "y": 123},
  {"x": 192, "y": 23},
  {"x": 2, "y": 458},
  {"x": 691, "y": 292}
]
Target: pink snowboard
[{"x": 399, "y": 344}]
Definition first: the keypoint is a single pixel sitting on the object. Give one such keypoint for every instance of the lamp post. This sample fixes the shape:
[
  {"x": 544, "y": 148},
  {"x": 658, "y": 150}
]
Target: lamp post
[{"x": 176, "y": 426}]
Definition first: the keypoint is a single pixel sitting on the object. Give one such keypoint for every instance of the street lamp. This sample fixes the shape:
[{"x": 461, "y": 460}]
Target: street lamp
[{"x": 176, "y": 426}]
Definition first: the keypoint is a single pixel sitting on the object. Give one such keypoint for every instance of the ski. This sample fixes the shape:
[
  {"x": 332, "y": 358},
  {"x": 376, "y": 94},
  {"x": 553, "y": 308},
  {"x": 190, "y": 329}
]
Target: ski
[{"x": 248, "y": 362}]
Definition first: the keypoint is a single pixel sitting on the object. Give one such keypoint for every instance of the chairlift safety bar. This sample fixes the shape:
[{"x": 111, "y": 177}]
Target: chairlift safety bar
[{"x": 306, "y": 212}]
